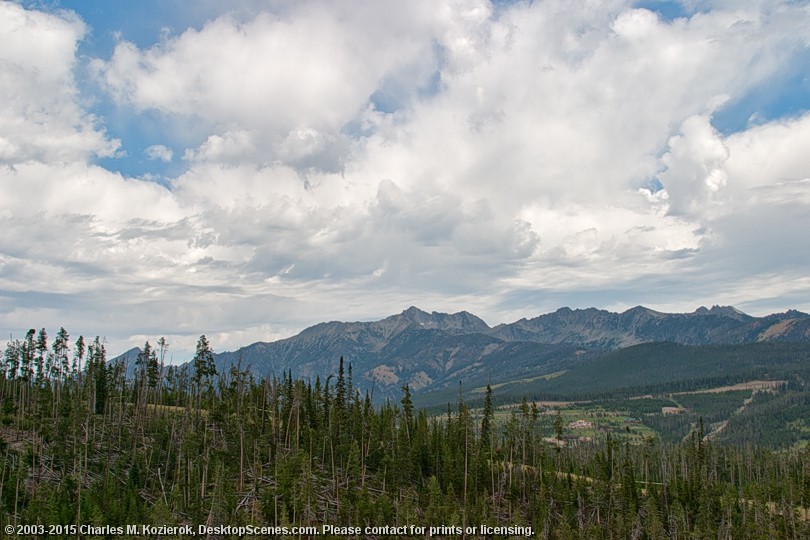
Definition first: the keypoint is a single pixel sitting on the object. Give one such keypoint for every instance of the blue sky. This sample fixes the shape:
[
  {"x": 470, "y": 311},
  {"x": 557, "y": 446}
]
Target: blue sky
[
  {"x": 247, "y": 169},
  {"x": 785, "y": 95},
  {"x": 144, "y": 24}
]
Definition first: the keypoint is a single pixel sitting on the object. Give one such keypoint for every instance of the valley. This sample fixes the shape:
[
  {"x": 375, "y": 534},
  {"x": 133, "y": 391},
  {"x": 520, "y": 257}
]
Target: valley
[{"x": 632, "y": 363}]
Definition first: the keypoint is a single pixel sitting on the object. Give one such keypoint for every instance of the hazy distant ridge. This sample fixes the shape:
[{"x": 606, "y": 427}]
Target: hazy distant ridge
[{"x": 704, "y": 326}]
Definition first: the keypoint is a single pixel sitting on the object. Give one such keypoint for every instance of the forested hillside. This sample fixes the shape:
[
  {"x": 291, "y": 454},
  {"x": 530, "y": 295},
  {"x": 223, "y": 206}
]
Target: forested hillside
[
  {"x": 671, "y": 367},
  {"x": 83, "y": 444}
]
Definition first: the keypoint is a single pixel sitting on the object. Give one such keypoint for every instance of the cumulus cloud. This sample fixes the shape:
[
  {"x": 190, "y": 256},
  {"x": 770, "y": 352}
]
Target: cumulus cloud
[
  {"x": 773, "y": 154},
  {"x": 695, "y": 167},
  {"x": 291, "y": 80},
  {"x": 41, "y": 117},
  {"x": 347, "y": 161},
  {"x": 159, "y": 152}
]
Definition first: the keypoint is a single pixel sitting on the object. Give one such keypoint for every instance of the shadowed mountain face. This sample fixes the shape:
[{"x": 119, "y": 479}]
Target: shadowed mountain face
[
  {"x": 430, "y": 351},
  {"x": 434, "y": 350},
  {"x": 423, "y": 350}
]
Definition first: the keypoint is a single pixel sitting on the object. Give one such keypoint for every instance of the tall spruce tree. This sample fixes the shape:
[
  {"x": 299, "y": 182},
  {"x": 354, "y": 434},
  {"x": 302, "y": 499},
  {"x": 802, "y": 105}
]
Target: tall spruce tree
[{"x": 204, "y": 366}]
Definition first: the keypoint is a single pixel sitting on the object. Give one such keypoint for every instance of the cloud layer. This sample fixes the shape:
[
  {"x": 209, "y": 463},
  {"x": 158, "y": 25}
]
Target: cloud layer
[{"x": 506, "y": 160}]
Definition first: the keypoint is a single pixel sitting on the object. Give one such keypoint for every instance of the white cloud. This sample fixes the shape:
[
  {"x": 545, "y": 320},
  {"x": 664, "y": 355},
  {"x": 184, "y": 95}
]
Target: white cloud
[
  {"x": 352, "y": 162},
  {"x": 293, "y": 81},
  {"x": 230, "y": 147},
  {"x": 41, "y": 118},
  {"x": 695, "y": 166},
  {"x": 159, "y": 152},
  {"x": 771, "y": 154}
]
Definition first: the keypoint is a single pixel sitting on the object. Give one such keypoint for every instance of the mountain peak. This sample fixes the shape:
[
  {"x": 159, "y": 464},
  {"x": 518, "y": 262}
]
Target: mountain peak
[
  {"x": 728, "y": 311},
  {"x": 644, "y": 309},
  {"x": 462, "y": 321},
  {"x": 413, "y": 312},
  {"x": 723, "y": 311}
]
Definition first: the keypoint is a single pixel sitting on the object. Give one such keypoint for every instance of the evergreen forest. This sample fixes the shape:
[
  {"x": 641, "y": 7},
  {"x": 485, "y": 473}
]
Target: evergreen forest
[{"x": 84, "y": 444}]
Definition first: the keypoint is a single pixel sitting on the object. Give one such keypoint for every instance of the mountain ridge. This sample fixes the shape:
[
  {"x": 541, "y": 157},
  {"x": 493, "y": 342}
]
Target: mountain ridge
[{"x": 434, "y": 350}]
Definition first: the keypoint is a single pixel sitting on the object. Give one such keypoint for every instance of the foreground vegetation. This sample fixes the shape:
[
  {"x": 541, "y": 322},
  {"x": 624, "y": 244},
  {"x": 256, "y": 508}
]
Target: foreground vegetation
[{"x": 82, "y": 443}]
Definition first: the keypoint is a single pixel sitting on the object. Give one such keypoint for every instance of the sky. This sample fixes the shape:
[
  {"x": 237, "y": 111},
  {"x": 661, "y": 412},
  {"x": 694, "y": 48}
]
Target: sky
[{"x": 250, "y": 168}]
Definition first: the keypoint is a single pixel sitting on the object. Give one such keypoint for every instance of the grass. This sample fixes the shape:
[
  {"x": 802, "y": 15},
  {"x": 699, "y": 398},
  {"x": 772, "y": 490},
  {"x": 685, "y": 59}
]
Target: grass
[
  {"x": 546, "y": 377},
  {"x": 604, "y": 421},
  {"x": 611, "y": 416}
]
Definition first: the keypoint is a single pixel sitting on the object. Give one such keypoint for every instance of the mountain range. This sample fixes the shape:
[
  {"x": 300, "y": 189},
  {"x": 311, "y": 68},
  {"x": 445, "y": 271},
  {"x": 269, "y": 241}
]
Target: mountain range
[{"x": 430, "y": 351}]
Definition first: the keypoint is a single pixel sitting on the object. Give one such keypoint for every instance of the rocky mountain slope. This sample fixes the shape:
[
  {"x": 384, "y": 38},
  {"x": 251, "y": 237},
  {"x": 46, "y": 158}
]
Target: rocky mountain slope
[{"x": 434, "y": 350}]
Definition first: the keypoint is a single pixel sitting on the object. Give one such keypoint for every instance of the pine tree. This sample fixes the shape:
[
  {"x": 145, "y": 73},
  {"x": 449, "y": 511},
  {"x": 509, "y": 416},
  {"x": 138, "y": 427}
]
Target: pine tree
[
  {"x": 42, "y": 353},
  {"x": 28, "y": 354},
  {"x": 78, "y": 358},
  {"x": 97, "y": 375},
  {"x": 61, "y": 363},
  {"x": 407, "y": 411},
  {"x": 204, "y": 367},
  {"x": 12, "y": 357}
]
